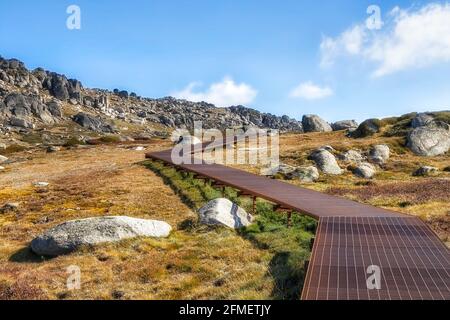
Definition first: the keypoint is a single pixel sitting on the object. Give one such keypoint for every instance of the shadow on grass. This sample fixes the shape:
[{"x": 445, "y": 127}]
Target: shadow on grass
[
  {"x": 158, "y": 170},
  {"x": 25, "y": 255}
]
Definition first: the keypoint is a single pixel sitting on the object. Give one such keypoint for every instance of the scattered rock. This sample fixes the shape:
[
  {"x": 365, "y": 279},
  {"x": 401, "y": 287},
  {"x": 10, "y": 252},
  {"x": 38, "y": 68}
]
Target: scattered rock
[
  {"x": 69, "y": 236},
  {"x": 2, "y": 146},
  {"x": 352, "y": 156},
  {"x": 93, "y": 123},
  {"x": 224, "y": 212},
  {"x": 425, "y": 171},
  {"x": 139, "y": 149},
  {"x": 365, "y": 170},
  {"x": 41, "y": 184},
  {"x": 52, "y": 149},
  {"x": 367, "y": 128},
  {"x": 21, "y": 123},
  {"x": 344, "y": 125},
  {"x": 9, "y": 207},
  {"x": 3, "y": 159},
  {"x": 379, "y": 154},
  {"x": 429, "y": 141},
  {"x": 326, "y": 162},
  {"x": 2, "y": 168},
  {"x": 313, "y": 123},
  {"x": 306, "y": 174}
]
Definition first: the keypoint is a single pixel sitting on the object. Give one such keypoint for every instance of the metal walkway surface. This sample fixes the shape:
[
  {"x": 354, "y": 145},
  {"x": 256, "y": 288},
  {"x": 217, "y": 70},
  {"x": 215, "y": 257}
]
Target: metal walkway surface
[{"x": 351, "y": 238}]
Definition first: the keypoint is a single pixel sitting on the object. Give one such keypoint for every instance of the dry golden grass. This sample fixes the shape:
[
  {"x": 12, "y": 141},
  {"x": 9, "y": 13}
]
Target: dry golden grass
[{"x": 109, "y": 180}]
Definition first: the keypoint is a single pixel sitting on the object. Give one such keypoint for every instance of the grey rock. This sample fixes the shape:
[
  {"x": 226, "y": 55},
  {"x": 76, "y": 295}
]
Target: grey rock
[
  {"x": 70, "y": 235},
  {"x": 224, "y": 212},
  {"x": 21, "y": 123},
  {"x": 344, "y": 125},
  {"x": 3, "y": 159},
  {"x": 425, "y": 171},
  {"x": 313, "y": 123},
  {"x": 352, "y": 156},
  {"x": 306, "y": 174},
  {"x": 379, "y": 154},
  {"x": 326, "y": 162},
  {"x": 367, "y": 128},
  {"x": 365, "y": 170},
  {"x": 93, "y": 123},
  {"x": 430, "y": 140},
  {"x": 422, "y": 119}
]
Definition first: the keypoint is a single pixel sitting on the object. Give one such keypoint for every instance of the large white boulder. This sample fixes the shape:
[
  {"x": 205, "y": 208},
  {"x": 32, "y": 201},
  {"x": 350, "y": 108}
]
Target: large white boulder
[
  {"x": 70, "y": 235},
  {"x": 430, "y": 140},
  {"x": 326, "y": 162},
  {"x": 379, "y": 154},
  {"x": 224, "y": 212}
]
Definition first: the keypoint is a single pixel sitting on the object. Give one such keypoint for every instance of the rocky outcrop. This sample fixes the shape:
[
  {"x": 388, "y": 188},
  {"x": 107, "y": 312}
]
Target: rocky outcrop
[
  {"x": 313, "y": 123},
  {"x": 430, "y": 140},
  {"x": 344, "y": 125},
  {"x": 367, "y": 128},
  {"x": 24, "y": 110},
  {"x": 224, "y": 212},
  {"x": 69, "y": 236},
  {"x": 422, "y": 119},
  {"x": 326, "y": 162},
  {"x": 93, "y": 123}
]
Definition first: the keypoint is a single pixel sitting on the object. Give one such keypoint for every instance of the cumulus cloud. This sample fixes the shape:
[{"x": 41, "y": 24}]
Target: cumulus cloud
[
  {"x": 411, "y": 39},
  {"x": 310, "y": 91},
  {"x": 222, "y": 94}
]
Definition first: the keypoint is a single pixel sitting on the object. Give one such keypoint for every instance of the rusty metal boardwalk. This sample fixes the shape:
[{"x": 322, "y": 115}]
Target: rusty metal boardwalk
[{"x": 352, "y": 241}]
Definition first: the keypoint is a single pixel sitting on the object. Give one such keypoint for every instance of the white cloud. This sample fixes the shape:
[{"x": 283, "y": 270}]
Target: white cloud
[
  {"x": 222, "y": 94},
  {"x": 310, "y": 91},
  {"x": 349, "y": 42},
  {"x": 411, "y": 39}
]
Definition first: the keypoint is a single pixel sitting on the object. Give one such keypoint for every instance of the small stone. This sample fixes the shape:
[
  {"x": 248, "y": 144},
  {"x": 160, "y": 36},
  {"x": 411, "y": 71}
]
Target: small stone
[
  {"x": 425, "y": 171},
  {"x": 10, "y": 207},
  {"x": 3, "y": 159},
  {"x": 52, "y": 149},
  {"x": 41, "y": 184}
]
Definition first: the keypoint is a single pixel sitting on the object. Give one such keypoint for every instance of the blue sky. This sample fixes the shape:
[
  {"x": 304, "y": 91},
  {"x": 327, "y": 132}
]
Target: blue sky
[{"x": 285, "y": 57}]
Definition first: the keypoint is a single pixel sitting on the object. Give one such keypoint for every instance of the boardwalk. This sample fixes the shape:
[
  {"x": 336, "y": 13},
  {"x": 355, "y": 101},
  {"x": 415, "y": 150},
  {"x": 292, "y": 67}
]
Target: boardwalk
[{"x": 351, "y": 238}]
